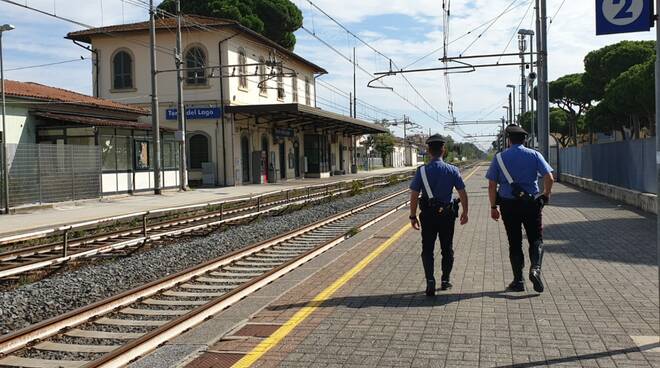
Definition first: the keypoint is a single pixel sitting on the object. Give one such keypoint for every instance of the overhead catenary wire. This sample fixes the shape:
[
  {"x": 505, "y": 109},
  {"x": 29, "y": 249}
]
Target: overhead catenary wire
[
  {"x": 47, "y": 64},
  {"x": 515, "y": 30}
]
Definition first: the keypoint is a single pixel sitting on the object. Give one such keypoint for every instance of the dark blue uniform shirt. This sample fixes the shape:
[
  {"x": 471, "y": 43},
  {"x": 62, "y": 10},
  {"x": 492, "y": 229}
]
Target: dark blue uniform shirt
[
  {"x": 525, "y": 166},
  {"x": 442, "y": 177}
]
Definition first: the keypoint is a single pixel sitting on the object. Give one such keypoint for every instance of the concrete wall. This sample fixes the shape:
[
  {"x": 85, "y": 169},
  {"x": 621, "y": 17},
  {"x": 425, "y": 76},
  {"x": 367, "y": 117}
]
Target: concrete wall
[{"x": 644, "y": 201}]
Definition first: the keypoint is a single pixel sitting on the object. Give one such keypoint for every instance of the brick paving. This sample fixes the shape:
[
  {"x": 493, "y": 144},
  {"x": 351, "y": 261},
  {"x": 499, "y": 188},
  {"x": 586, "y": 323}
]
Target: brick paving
[{"x": 601, "y": 288}]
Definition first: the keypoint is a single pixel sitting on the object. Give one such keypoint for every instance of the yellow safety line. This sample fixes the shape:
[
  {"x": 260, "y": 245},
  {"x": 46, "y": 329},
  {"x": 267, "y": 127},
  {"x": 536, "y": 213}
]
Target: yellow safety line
[
  {"x": 308, "y": 309},
  {"x": 472, "y": 173}
]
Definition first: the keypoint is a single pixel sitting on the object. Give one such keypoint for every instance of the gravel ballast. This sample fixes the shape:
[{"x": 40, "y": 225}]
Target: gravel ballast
[{"x": 35, "y": 302}]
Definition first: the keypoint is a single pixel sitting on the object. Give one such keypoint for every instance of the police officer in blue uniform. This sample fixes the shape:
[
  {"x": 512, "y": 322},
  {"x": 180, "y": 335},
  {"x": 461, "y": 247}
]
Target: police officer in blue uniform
[
  {"x": 516, "y": 172},
  {"x": 435, "y": 182}
]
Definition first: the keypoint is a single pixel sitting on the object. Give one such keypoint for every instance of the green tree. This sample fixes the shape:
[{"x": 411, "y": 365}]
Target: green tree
[
  {"x": 383, "y": 143},
  {"x": 559, "y": 125},
  {"x": 571, "y": 95},
  {"x": 605, "y": 64},
  {"x": 275, "y": 19},
  {"x": 632, "y": 94}
]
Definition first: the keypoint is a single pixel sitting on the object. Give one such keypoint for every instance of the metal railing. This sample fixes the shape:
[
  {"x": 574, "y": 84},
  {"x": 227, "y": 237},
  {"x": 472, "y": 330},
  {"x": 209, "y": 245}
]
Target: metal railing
[{"x": 45, "y": 173}]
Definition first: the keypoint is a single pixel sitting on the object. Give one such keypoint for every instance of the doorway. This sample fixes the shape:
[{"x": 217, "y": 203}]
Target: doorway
[
  {"x": 245, "y": 158},
  {"x": 264, "y": 154},
  {"x": 296, "y": 158},
  {"x": 341, "y": 157},
  {"x": 282, "y": 160}
]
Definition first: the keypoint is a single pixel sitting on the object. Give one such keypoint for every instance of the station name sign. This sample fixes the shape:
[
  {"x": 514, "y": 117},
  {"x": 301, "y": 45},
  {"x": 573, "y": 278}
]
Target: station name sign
[
  {"x": 195, "y": 113},
  {"x": 283, "y": 133},
  {"x": 623, "y": 16}
]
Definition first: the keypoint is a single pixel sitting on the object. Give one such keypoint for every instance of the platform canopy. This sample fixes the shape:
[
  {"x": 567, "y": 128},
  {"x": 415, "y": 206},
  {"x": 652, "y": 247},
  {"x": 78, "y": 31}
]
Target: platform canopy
[{"x": 302, "y": 116}]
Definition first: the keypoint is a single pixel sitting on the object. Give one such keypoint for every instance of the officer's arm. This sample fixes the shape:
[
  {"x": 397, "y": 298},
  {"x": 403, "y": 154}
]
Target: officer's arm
[
  {"x": 462, "y": 194},
  {"x": 492, "y": 193},
  {"x": 548, "y": 181},
  {"x": 414, "y": 199}
]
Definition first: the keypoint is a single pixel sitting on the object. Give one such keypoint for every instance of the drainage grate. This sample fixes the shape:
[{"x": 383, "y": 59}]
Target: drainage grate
[
  {"x": 257, "y": 330},
  {"x": 215, "y": 360}
]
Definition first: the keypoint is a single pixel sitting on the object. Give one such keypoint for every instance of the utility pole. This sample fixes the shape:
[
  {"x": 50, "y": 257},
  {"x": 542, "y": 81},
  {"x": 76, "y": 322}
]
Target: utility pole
[
  {"x": 657, "y": 120},
  {"x": 531, "y": 88},
  {"x": 543, "y": 93},
  {"x": 523, "y": 79},
  {"x": 155, "y": 123},
  {"x": 350, "y": 104},
  {"x": 510, "y": 109},
  {"x": 5, "y": 159},
  {"x": 181, "y": 110},
  {"x": 354, "y": 85}
]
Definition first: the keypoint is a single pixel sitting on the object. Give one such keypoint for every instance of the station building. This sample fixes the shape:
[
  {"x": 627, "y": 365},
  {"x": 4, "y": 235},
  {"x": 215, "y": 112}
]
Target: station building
[{"x": 253, "y": 120}]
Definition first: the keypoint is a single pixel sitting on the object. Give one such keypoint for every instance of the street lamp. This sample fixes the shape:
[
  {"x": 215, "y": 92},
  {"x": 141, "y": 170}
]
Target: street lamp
[
  {"x": 530, "y": 79},
  {"x": 5, "y": 164},
  {"x": 513, "y": 112}
]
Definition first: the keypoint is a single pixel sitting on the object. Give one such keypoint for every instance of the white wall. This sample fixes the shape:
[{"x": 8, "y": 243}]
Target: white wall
[{"x": 21, "y": 127}]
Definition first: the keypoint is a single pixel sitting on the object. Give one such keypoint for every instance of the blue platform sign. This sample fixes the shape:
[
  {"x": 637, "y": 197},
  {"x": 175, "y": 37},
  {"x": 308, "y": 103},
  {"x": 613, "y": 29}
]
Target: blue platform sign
[
  {"x": 623, "y": 16},
  {"x": 195, "y": 113}
]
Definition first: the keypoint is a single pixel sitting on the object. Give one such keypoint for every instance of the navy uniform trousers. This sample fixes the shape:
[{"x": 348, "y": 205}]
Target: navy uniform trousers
[
  {"x": 517, "y": 214},
  {"x": 437, "y": 226}
]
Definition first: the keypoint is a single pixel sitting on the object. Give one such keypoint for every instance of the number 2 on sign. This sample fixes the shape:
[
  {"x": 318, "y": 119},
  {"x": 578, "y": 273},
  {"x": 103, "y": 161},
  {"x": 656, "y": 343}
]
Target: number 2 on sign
[{"x": 625, "y": 12}]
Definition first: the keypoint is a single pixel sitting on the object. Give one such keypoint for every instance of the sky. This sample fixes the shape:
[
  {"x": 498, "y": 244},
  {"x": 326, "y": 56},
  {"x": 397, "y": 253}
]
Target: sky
[{"x": 402, "y": 31}]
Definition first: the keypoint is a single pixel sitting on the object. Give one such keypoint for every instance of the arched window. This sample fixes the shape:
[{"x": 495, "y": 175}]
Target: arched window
[
  {"x": 199, "y": 150},
  {"x": 263, "y": 83},
  {"x": 195, "y": 63},
  {"x": 242, "y": 69},
  {"x": 122, "y": 70}
]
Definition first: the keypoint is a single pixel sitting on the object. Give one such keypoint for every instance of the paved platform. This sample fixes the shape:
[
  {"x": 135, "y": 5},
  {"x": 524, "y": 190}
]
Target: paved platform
[
  {"x": 601, "y": 296},
  {"x": 70, "y": 212}
]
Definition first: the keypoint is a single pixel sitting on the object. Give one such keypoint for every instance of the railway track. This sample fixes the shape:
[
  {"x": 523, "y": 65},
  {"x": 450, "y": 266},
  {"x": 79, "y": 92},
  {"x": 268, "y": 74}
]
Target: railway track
[
  {"x": 112, "y": 332},
  {"x": 145, "y": 227}
]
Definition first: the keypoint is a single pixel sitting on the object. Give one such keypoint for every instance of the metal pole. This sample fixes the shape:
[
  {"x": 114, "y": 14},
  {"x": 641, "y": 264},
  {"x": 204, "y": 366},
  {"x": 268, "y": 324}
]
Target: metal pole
[
  {"x": 155, "y": 123},
  {"x": 181, "y": 114},
  {"x": 514, "y": 118},
  {"x": 531, "y": 88},
  {"x": 657, "y": 121},
  {"x": 543, "y": 93},
  {"x": 510, "y": 111},
  {"x": 5, "y": 164},
  {"x": 354, "y": 85},
  {"x": 523, "y": 83}
]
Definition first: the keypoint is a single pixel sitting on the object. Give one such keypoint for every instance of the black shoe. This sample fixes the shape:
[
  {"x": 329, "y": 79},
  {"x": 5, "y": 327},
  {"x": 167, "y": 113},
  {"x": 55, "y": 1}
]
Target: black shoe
[
  {"x": 535, "y": 278},
  {"x": 516, "y": 286},
  {"x": 446, "y": 285},
  {"x": 430, "y": 288}
]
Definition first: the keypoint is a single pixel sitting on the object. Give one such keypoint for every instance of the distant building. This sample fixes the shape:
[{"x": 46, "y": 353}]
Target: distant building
[{"x": 256, "y": 124}]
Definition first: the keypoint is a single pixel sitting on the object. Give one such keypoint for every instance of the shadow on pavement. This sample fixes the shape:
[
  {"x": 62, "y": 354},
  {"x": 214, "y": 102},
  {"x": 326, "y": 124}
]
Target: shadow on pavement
[
  {"x": 578, "y": 358},
  {"x": 405, "y": 300},
  {"x": 628, "y": 240}
]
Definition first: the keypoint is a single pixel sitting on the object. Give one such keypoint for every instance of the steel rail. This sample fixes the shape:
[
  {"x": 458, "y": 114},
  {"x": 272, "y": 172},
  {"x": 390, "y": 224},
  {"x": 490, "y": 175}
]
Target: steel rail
[
  {"x": 22, "y": 338},
  {"x": 139, "y": 240},
  {"x": 143, "y": 345},
  {"x": 108, "y": 220}
]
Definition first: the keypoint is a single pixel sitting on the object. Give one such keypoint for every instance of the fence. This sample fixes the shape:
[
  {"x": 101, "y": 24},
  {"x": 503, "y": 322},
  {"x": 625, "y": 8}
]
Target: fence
[
  {"x": 46, "y": 173},
  {"x": 627, "y": 164}
]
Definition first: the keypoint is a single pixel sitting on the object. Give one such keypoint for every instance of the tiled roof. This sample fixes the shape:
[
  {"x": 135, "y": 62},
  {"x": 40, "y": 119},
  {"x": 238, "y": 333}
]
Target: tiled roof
[
  {"x": 94, "y": 121},
  {"x": 53, "y": 94},
  {"x": 192, "y": 22}
]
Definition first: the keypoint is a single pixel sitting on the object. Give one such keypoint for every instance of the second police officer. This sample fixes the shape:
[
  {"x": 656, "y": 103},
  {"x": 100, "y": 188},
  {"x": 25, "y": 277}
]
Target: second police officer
[
  {"x": 436, "y": 182},
  {"x": 516, "y": 172}
]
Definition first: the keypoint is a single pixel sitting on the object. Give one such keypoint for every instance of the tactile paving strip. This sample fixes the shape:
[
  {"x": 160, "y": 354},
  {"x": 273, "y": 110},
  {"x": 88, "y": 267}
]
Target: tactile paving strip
[
  {"x": 257, "y": 330},
  {"x": 215, "y": 360}
]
